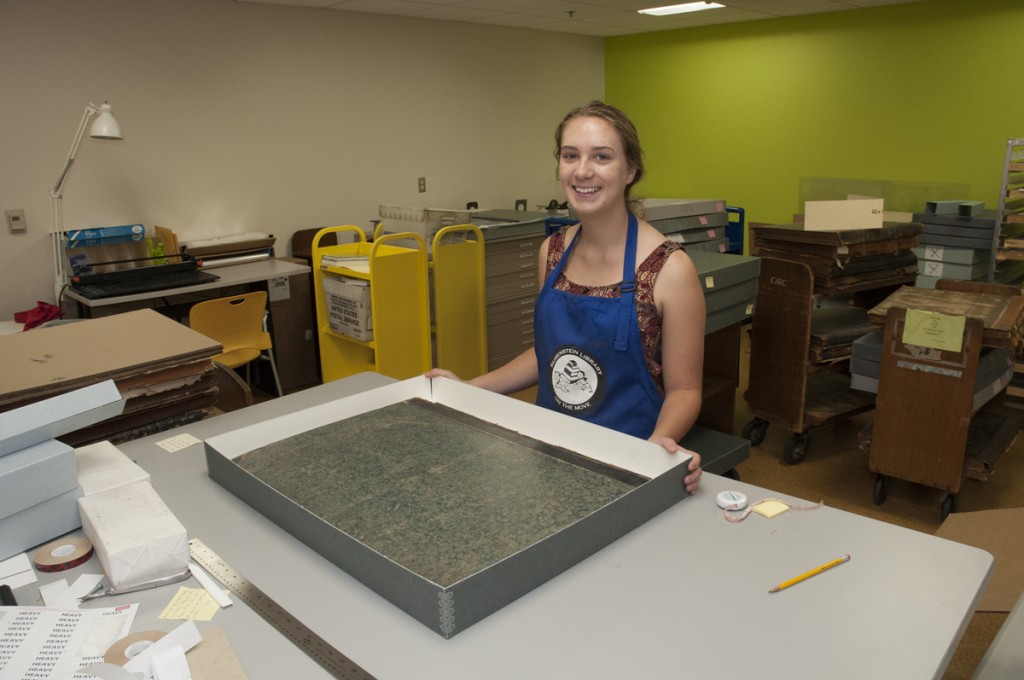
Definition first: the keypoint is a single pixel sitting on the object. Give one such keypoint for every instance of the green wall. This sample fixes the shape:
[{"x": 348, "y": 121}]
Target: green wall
[{"x": 920, "y": 94}]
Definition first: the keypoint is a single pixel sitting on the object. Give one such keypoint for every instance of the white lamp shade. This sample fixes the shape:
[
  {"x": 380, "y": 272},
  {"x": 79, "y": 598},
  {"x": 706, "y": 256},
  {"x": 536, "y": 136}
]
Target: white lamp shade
[{"x": 105, "y": 126}]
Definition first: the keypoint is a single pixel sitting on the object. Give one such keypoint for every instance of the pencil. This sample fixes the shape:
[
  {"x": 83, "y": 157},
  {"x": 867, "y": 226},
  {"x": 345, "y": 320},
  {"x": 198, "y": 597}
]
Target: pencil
[{"x": 812, "y": 572}]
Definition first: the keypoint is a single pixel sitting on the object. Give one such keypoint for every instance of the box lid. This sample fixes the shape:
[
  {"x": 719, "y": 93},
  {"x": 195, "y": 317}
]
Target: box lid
[
  {"x": 47, "y": 419},
  {"x": 664, "y": 208},
  {"x": 36, "y": 474}
]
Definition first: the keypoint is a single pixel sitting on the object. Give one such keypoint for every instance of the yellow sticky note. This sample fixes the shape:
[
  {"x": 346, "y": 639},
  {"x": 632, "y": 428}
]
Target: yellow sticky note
[
  {"x": 770, "y": 508},
  {"x": 933, "y": 329},
  {"x": 190, "y": 604}
]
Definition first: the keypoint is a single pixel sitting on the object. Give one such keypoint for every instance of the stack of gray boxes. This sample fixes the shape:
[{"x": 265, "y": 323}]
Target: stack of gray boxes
[
  {"x": 729, "y": 280},
  {"x": 698, "y": 224},
  {"x": 39, "y": 488},
  {"x": 730, "y": 287},
  {"x": 955, "y": 243}
]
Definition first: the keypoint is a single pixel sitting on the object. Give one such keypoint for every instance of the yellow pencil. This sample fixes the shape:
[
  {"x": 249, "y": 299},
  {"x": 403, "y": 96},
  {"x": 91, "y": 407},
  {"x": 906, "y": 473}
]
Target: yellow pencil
[{"x": 812, "y": 572}]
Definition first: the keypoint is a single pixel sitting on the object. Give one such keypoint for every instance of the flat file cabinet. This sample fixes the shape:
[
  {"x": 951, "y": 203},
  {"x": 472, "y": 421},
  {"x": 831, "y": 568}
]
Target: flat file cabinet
[{"x": 512, "y": 242}]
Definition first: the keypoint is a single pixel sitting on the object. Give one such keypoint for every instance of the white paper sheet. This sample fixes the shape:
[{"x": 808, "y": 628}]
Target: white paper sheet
[{"x": 41, "y": 642}]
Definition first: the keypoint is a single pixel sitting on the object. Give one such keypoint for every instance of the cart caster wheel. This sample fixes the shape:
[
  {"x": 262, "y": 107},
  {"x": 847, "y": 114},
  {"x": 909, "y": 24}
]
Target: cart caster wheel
[
  {"x": 881, "y": 489},
  {"x": 755, "y": 431},
  {"x": 948, "y": 505},
  {"x": 796, "y": 449}
]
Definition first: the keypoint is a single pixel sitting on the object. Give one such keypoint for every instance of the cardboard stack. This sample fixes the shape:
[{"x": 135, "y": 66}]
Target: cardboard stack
[
  {"x": 1001, "y": 315},
  {"x": 835, "y": 325},
  {"x": 163, "y": 370},
  {"x": 699, "y": 225},
  {"x": 845, "y": 261},
  {"x": 39, "y": 487}
]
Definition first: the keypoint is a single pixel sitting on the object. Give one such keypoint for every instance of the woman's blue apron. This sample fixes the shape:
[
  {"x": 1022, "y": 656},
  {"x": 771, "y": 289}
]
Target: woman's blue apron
[{"x": 590, "y": 358}]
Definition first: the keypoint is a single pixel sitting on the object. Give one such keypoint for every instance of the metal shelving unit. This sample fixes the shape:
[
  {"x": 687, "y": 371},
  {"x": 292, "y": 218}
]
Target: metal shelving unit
[{"x": 1007, "y": 259}]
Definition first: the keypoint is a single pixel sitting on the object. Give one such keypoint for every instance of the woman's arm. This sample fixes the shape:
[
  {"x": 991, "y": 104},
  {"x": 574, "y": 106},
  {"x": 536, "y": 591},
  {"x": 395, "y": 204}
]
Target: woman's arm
[{"x": 680, "y": 300}]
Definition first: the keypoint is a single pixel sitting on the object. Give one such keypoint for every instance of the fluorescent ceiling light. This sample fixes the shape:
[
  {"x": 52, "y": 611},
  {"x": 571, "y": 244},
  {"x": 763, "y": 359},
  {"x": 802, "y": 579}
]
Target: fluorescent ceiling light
[{"x": 679, "y": 9}]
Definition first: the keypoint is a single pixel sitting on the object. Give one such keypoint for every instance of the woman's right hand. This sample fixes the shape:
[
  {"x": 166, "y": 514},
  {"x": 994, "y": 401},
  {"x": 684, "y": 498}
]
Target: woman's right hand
[{"x": 442, "y": 373}]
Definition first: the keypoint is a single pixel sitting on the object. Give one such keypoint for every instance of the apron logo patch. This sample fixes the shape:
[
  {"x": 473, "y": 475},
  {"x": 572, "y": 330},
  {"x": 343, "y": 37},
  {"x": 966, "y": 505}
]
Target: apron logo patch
[{"x": 577, "y": 379}]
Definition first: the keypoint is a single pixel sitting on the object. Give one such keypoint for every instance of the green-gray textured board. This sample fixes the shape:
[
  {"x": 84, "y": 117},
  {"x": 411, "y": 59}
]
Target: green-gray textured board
[{"x": 433, "y": 489}]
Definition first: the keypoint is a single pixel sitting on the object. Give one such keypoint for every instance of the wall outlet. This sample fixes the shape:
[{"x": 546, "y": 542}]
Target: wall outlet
[
  {"x": 423, "y": 184},
  {"x": 16, "y": 221}
]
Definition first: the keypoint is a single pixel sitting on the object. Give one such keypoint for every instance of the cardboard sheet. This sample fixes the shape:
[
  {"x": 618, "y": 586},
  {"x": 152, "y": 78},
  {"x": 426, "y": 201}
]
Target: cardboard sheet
[
  {"x": 49, "y": 361},
  {"x": 998, "y": 532}
]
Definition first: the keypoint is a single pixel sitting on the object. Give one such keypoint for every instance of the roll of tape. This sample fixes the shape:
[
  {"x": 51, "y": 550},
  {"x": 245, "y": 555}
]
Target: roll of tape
[
  {"x": 62, "y": 554},
  {"x": 130, "y": 646},
  {"x": 731, "y": 500}
]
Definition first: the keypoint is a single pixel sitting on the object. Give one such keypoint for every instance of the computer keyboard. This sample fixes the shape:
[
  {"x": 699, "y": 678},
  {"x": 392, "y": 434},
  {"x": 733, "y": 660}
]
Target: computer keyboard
[{"x": 142, "y": 284}]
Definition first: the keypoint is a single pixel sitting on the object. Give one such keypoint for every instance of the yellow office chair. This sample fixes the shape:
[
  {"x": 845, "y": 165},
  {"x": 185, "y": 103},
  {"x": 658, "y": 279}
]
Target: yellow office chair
[{"x": 239, "y": 323}]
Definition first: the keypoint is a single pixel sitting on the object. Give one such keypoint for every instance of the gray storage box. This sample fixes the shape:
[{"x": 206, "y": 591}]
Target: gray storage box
[
  {"x": 668, "y": 208},
  {"x": 450, "y": 608}
]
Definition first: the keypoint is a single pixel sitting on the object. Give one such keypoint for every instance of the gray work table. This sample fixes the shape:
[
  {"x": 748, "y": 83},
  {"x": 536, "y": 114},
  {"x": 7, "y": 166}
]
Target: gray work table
[
  {"x": 1005, "y": 658},
  {"x": 684, "y": 595}
]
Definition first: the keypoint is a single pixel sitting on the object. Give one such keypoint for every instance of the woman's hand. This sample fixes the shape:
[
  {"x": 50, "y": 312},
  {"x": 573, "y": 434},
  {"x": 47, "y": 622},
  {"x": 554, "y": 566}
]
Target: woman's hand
[
  {"x": 692, "y": 480},
  {"x": 442, "y": 373}
]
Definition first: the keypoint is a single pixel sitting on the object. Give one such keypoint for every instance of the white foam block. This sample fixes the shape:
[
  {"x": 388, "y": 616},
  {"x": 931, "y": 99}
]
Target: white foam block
[
  {"x": 102, "y": 467},
  {"x": 136, "y": 536}
]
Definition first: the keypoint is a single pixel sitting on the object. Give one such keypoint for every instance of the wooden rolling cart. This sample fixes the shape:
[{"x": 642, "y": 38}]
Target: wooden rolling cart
[
  {"x": 812, "y": 297},
  {"x": 924, "y": 408},
  {"x": 785, "y": 386},
  {"x": 929, "y": 397}
]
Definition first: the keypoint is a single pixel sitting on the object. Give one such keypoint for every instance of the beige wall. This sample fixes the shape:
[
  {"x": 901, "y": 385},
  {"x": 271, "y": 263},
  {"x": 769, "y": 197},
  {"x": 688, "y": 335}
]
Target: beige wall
[{"x": 244, "y": 117}]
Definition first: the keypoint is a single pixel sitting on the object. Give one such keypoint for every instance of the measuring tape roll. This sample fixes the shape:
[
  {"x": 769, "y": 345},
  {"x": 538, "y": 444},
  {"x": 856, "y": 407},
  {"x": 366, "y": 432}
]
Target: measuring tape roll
[{"x": 62, "y": 554}]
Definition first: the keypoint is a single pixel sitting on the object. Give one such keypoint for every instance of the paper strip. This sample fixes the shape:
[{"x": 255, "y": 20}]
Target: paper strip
[
  {"x": 215, "y": 591},
  {"x": 71, "y": 597},
  {"x": 17, "y": 571},
  {"x": 170, "y": 664},
  {"x": 185, "y": 636}
]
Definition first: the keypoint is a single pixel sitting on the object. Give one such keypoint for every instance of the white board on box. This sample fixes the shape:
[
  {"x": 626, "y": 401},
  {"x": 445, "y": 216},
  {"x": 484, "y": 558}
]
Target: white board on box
[{"x": 860, "y": 213}]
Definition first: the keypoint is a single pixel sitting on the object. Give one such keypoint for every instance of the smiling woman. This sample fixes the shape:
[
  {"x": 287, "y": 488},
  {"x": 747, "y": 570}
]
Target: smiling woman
[{"x": 619, "y": 321}]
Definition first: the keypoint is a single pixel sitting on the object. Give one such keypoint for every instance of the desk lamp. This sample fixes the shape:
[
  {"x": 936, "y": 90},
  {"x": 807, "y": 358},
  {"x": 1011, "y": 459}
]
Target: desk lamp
[{"x": 104, "y": 127}]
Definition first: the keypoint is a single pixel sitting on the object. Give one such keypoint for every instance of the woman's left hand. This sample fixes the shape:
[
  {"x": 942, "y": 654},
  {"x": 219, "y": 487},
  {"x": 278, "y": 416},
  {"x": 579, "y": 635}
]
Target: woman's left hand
[{"x": 692, "y": 480}]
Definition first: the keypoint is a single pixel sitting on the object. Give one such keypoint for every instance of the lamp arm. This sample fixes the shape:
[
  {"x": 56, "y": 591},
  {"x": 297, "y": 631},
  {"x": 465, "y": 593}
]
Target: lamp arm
[{"x": 90, "y": 110}]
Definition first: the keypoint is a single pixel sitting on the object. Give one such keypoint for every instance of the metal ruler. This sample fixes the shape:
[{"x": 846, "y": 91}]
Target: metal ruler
[{"x": 332, "y": 661}]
